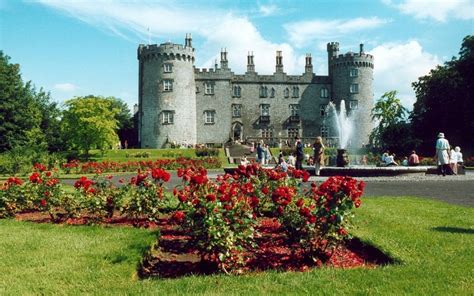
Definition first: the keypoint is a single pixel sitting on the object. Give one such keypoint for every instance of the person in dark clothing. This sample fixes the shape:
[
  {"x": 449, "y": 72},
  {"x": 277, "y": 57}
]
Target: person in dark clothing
[
  {"x": 299, "y": 154},
  {"x": 260, "y": 153}
]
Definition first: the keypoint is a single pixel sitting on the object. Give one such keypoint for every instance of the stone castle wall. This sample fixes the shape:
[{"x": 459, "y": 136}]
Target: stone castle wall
[{"x": 190, "y": 101}]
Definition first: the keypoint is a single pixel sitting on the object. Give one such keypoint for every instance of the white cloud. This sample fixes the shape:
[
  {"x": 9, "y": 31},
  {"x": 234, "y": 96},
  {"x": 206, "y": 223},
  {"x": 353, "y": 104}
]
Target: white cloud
[
  {"x": 438, "y": 10},
  {"x": 306, "y": 31},
  {"x": 267, "y": 10},
  {"x": 65, "y": 87},
  {"x": 397, "y": 65},
  {"x": 167, "y": 21}
]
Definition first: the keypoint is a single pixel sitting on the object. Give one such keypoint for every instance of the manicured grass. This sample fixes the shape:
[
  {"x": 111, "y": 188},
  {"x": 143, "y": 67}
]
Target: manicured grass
[
  {"x": 121, "y": 155},
  {"x": 431, "y": 240}
]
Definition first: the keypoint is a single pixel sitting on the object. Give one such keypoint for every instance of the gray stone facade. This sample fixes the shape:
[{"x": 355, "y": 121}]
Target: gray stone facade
[{"x": 215, "y": 105}]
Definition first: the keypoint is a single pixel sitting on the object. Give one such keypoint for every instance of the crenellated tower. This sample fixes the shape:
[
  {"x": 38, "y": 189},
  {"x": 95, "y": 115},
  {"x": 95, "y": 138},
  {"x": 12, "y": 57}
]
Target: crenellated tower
[
  {"x": 167, "y": 94},
  {"x": 351, "y": 75}
]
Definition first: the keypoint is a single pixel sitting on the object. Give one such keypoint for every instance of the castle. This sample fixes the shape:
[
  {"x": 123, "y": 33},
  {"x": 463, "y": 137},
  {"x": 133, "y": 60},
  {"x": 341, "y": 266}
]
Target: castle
[{"x": 183, "y": 104}]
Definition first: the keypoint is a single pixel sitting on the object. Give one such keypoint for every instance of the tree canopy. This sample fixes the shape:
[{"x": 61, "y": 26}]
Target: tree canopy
[
  {"x": 388, "y": 112},
  {"x": 28, "y": 117},
  {"x": 90, "y": 123},
  {"x": 445, "y": 101}
]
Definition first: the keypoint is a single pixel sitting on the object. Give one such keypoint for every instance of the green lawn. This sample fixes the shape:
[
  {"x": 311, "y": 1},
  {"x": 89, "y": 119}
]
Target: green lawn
[
  {"x": 121, "y": 155},
  {"x": 432, "y": 240}
]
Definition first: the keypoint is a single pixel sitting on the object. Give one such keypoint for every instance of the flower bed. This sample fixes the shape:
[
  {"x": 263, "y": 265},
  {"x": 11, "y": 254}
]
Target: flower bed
[
  {"x": 222, "y": 219},
  {"x": 91, "y": 167}
]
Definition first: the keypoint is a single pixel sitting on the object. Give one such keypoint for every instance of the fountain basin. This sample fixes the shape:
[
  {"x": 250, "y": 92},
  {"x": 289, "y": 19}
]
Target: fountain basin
[
  {"x": 371, "y": 171},
  {"x": 363, "y": 171}
]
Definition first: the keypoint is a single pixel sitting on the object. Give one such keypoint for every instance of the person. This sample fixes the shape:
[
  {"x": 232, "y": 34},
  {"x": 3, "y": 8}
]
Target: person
[
  {"x": 318, "y": 155},
  {"x": 283, "y": 165},
  {"x": 390, "y": 160},
  {"x": 291, "y": 160},
  {"x": 299, "y": 154},
  {"x": 413, "y": 160},
  {"x": 460, "y": 161},
  {"x": 267, "y": 153},
  {"x": 260, "y": 153},
  {"x": 442, "y": 154},
  {"x": 364, "y": 160},
  {"x": 405, "y": 161},
  {"x": 244, "y": 161},
  {"x": 252, "y": 148},
  {"x": 384, "y": 155},
  {"x": 280, "y": 157},
  {"x": 126, "y": 144},
  {"x": 453, "y": 161}
]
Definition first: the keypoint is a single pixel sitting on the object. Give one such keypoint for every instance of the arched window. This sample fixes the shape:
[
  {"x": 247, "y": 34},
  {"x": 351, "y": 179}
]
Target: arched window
[
  {"x": 286, "y": 93},
  {"x": 324, "y": 93}
]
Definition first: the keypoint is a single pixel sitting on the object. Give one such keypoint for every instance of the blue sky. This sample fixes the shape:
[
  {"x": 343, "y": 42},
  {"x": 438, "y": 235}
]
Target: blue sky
[{"x": 75, "y": 48}]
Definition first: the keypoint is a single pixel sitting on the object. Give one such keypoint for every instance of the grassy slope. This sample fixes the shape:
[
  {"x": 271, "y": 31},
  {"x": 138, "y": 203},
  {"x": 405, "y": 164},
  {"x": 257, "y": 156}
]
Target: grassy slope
[{"x": 59, "y": 259}]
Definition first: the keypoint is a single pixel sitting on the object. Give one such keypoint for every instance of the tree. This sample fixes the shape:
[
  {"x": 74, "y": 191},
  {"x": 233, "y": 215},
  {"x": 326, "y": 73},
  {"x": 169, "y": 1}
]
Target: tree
[
  {"x": 445, "y": 102},
  {"x": 90, "y": 123},
  {"x": 387, "y": 112},
  {"x": 19, "y": 112}
]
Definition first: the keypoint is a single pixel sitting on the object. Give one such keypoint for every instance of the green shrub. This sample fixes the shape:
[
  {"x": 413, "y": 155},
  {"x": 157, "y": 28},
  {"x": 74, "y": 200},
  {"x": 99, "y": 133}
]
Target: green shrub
[{"x": 207, "y": 152}]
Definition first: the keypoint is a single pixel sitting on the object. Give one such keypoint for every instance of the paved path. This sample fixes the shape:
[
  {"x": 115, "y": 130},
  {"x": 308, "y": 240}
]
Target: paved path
[{"x": 452, "y": 189}]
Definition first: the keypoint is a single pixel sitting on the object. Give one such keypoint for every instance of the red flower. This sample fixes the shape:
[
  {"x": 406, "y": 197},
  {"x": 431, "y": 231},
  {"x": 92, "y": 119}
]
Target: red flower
[
  {"x": 265, "y": 190},
  {"x": 300, "y": 202},
  {"x": 48, "y": 174},
  {"x": 178, "y": 216},
  {"x": 160, "y": 174},
  {"x": 39, "y": 167},
  {"x": 357, "y": 203},
  {"x": 43, "y": 202},
  {"x": 36, "y": 178},
  {"x": 199, "y": 179},
  {"x": 342, "y": 231},
  {"x": 14, "y": 180},
  {"x": 211, "y": 197}
]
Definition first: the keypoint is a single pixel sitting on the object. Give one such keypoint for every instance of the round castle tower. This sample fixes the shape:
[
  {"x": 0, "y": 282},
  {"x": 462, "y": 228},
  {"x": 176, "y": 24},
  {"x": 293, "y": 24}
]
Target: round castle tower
[
  {"x": 167, "y": 94},
  {"x": 352, "y": 81}
]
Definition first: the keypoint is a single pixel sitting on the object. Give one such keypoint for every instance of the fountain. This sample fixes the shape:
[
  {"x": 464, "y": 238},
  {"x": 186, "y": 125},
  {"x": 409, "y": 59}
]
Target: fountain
[{"x": 344, "y": 126}]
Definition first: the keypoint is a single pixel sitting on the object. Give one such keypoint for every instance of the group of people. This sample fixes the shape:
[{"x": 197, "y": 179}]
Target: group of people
[
  {"x": 447, "y": 158},
  {"x": 295, "y": 159},
  {"x": 388, "y": 159}
]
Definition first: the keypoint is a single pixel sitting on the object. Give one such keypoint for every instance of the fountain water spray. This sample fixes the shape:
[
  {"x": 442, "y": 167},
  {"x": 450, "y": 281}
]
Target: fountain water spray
[{"x": 342, "y": 123}]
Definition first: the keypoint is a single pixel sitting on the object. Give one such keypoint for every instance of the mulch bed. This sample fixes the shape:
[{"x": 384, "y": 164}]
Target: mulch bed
[{"x": 173, "y": 256}]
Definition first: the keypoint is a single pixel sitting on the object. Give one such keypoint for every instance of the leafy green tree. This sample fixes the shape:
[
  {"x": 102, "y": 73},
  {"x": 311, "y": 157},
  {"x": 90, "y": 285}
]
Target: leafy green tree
[
  {"x": 19, "y": 112},
  {"x": 445, "y": 101},
  {"x": 90, "y": 123},
  {"x": 387, "y": 112}
]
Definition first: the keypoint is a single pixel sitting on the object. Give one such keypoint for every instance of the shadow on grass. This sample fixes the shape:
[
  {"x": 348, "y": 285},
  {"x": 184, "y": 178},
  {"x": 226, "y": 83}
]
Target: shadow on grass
[{"x": 453, "y": 229}]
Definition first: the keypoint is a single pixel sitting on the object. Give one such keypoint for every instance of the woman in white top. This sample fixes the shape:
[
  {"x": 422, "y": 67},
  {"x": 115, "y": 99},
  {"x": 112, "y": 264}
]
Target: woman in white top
[{"x": 442, "y": 154}]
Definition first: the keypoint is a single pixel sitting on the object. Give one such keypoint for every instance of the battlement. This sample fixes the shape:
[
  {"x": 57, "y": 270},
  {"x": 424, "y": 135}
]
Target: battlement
[
  {"x": 352, "y": 59},
  {"x": 166, "y": 51}
]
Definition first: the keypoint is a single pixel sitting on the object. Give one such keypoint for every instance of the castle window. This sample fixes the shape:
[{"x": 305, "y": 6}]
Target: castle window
[
  {"x": 272, "y": 93},
  {"x": 209, "y": 117},
  {"x": 167, "y": 68},
  {"x": 324, "y": 131},
  {"x": 353, "y": 104},
  {"x": 354, "y": 88},
  {"x": 295, "y": 109},
  {"x": 265, "y": 109},
  {"x": 236, "y": 110},
  {"x": 324, "y": 93},
  {"x": 323, "y": 108},
  {"x": 354, "y": 73},
  {"x": 167, "y": 117},
  {"x": 293, "y": 132},
  {"x": 208, "y": 88},
  {"x": 236, "y": 91},
  {"x": 286, "y": 93},
  {"x": 296, "y": 92},
  {"x": 266, "y": 133},
  {"x": 167, "y": 85},
  {"x": 263, "y": 91}
]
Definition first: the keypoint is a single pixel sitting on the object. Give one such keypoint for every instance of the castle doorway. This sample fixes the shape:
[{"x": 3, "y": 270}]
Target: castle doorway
[{"x": 237, "y": 129}]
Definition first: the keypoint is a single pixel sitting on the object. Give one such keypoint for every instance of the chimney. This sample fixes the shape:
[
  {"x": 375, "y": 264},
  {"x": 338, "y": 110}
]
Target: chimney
[
  {"x": 279, "y": 62},
  {"x": 308, "y": 68},
  {"x": 361, "y": 48},
  {"x": 224, "y": 62},
  {"x": 250, "y": 64}
]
